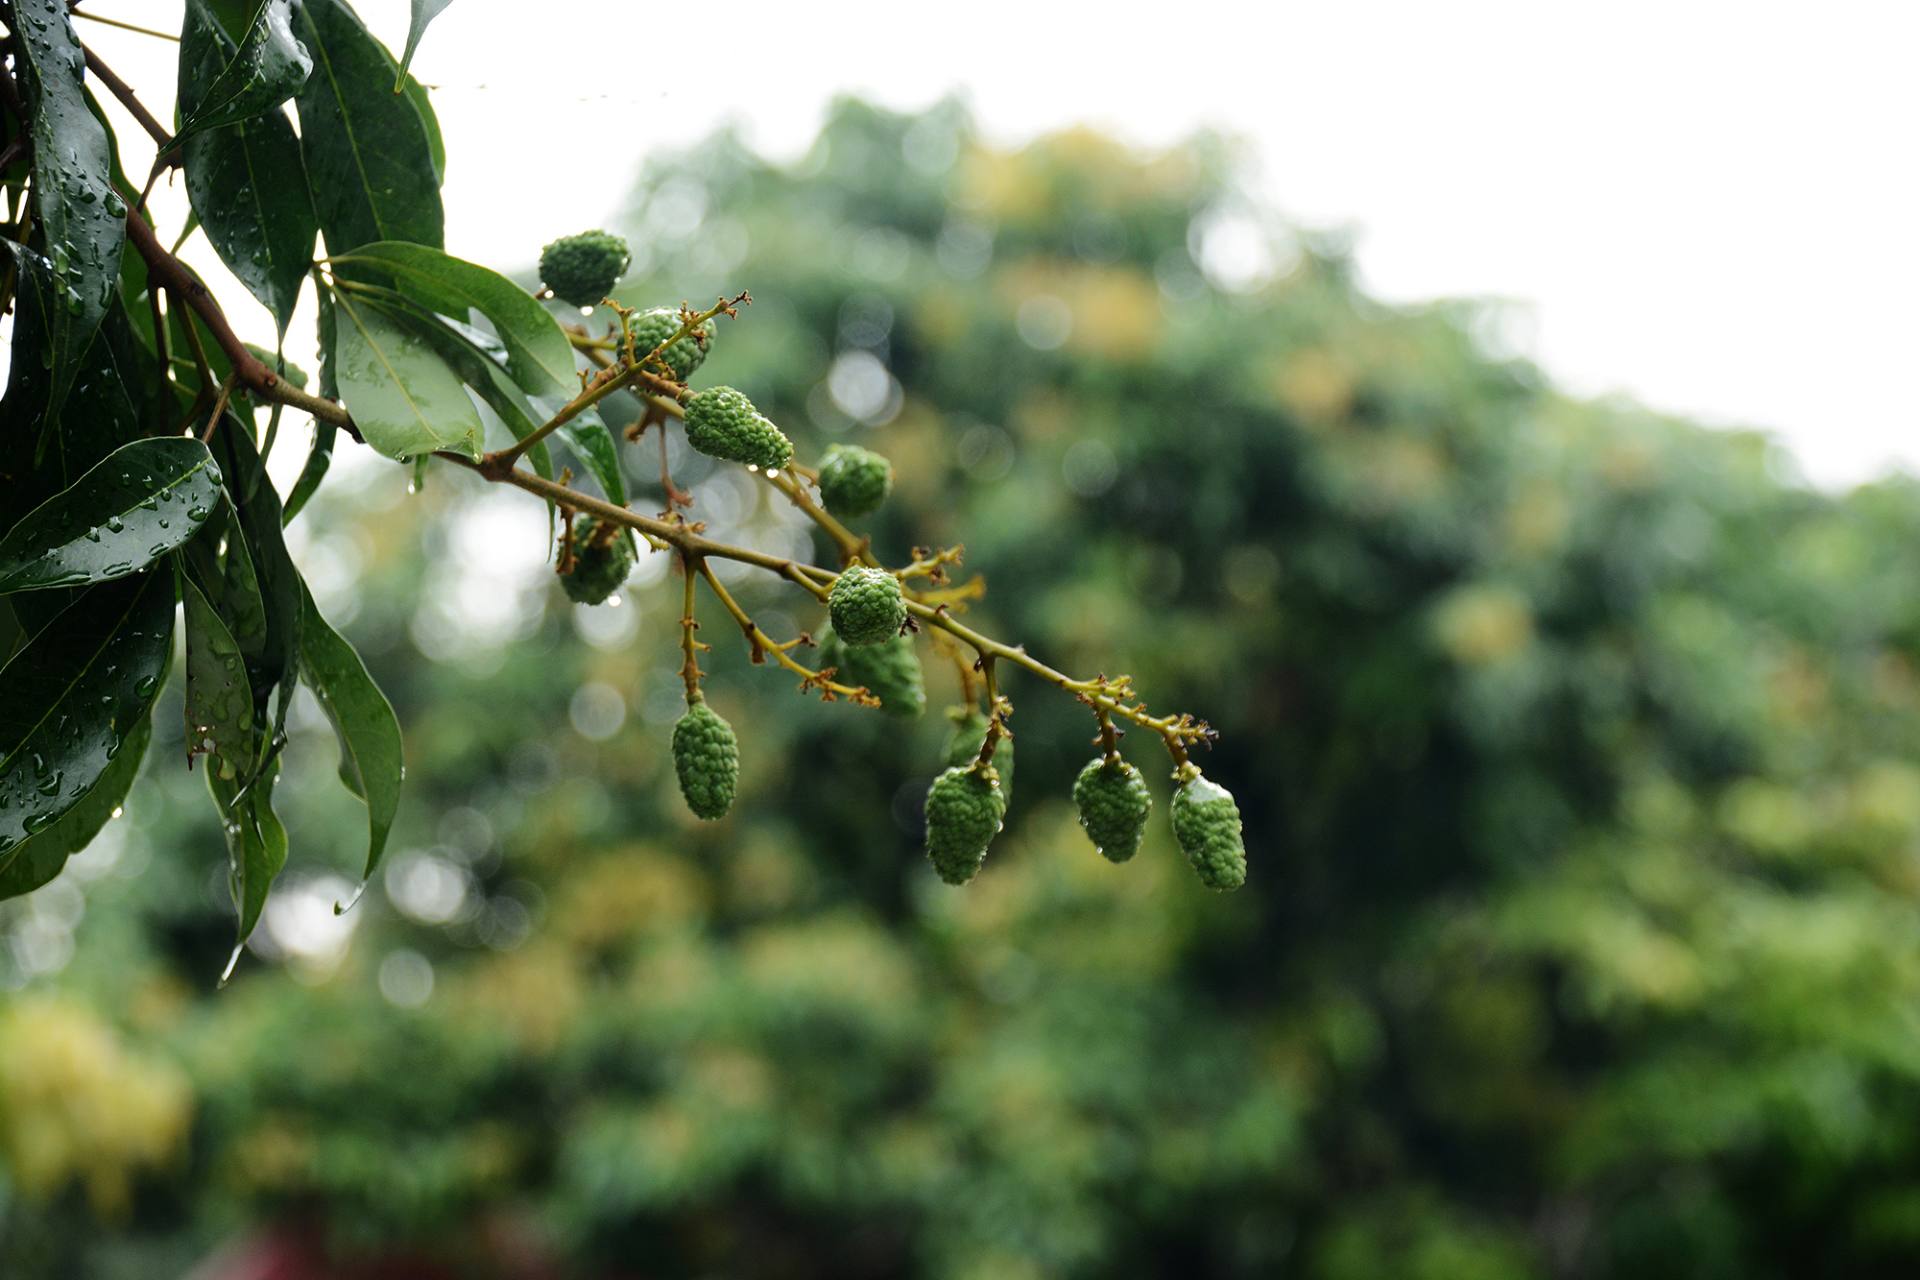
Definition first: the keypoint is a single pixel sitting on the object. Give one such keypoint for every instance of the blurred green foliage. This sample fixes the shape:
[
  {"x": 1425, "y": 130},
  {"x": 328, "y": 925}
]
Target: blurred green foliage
[{"x": 1576, "y": 745}]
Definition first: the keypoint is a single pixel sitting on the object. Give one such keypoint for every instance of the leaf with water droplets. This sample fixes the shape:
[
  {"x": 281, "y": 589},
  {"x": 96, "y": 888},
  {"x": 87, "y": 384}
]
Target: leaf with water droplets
[
  {"x": 37, "y": 859},
  {"x": 231, "y": 72},
  {"x": 402, "y": 395},
  {"x": 72, "y": 695},
  {"x": 256, "y": 839},
  {"x": 133, "y": 507},
  {"x": 369, "y": 155},
  {"x": 82, "y": 223},
  {"x": 538, "y": 354},
  {"x": 219, "y": 703},
  {"x": 371, "y": 764},
  {"x": 249, "y": 187}
]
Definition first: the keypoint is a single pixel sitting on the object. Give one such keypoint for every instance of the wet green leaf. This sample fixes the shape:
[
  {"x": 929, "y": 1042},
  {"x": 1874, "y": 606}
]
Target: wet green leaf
[
  {"x": 249, "y": 188},
  {"x": 69, "y": 699},
  {"x": 592, "y": 442},
  {"x": 236, "y": 64},
  {"x": 219, "y": 703},
  {"x": 142, "y": 501},
  {"x": 538, "y": 354},
  {"x": 369, "y": 157},
  {"x": 256, "y": 840},
  {"x": 403, "y": 397},
  {"x": 81, "y": 219},
  {"x": 319, "y": 458},
  {"x": 371, "y": 764},
  {"x": 483, "y": 375},
  {"x": 39, "y": 858}
]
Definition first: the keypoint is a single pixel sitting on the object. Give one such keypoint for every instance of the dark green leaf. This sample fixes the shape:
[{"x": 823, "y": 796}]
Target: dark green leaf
[
  {"x": 327, "y": 324},
  {"x": 81, "y": 219},
  {"x": 144, "y": 500},
  {"x": 538, "y": 354},
  {"x": 256, "y": 840},
  {"x": 258, "y": 522},
  {"x": 249, "y": 187},
  {"x": 319, "y": 458},
  {"x": 430, "y": 121},
  {"x": 403, "y": 397},
  {"x": 219, "y": 703},
  {"x": 371, "y": 764},
  {"x": 39, "y": 858},
  {"x": 424, "y": 11},
  {"x": 593, "y": 444},
  {"x": 229, "y": 75},
  {"x": 370, "y": 163},
  {"x": 69, "y": 699}
]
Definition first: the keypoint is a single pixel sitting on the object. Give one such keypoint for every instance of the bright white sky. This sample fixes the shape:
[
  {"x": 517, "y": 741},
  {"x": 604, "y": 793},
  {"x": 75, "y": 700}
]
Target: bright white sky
[{"x": 1710, "y": 207}]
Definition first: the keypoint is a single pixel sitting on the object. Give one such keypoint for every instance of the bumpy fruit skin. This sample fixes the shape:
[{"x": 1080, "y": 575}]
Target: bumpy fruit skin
[
  {"x": 599, "y": 567},
  {"x": 1206, "y": 822},
  {"x": 865, "y": 606},
  {"x": 582, "y": 269},
  {"x": 964, "y": 807},
  {"x": 1114, "y": 802},
  {"x": 651, "y": 328},
  {"x": 963, "y": 746},
  {"x": 854, "y": 481},
  {"x": 722, "y": 423},
  {"x": 706, "y": 757},
  {"x": 890, "y": 671}
]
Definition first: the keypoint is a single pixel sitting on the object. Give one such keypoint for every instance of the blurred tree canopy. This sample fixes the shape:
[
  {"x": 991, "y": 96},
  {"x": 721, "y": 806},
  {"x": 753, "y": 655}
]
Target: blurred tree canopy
[{"x": 1576, "y": 746}]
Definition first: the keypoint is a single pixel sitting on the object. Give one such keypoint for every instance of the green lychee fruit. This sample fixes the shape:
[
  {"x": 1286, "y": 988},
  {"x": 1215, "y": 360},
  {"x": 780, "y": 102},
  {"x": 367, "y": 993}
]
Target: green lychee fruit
[
  {"x": 964, "y": 807},
  {"x": 1206, "y": 822},
  {"x": 706, "y": 757},
  {"x": 963, "y": 746},
  {"x": 600, "y": 563},
  {"x": 722, "y": 423},
  {"x": 651, "y": 328},
  {"x": 854, "y": 481},
  {"x": 1113, "y": 802},
  {"x": 890, "y": 671},
  {"x": 582, "y": 269},
  {"x": 865, "y": 606}
]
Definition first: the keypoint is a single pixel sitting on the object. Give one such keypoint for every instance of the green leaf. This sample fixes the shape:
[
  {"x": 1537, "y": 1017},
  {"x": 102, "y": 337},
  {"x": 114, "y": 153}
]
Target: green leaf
[
  {"x": 538, "y": 354},
  {"x": 319, "y": 458},
  {"x": 257, "y": 507},
  {"x": 430, "y": 121},
  {"x": 230, "y": 72},
  {"x": 371, "y": 764},
  {"x": 486, "y": 379},
  {"x": 144, "y": 500},
  {"x": 69, "y": 699},
  {"x": 249, "y": 188},
  {"x": 81, "y": 219},
  {"x": 370, "y": 162},
  {"x": 424, "y": 11},
  {"x": 39, "y": 858},
  {"x": 219, "y": 701},
  {"x": 591, "y": 441},
  {"x": 403, "y": 397},
  {"x": 256, "y": 841}
]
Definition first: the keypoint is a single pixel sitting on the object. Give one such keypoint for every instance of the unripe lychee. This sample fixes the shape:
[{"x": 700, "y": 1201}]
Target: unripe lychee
[
  {"x": 651, "y": 328},
  {"x": 964, "y": 807},
  {"x": 1113, "y": 802},
  {"x": 602, "y": 559},
  {"x": 889, "y": 670},
  {"x": 706, "y": 758},
  {"x": 854, "y": 481},
  {"x": 963, "y": 746},
  {"x": 582, "y": 269},
  {"x": 1206, "y": 822},
  {"x": 722, "y": 423},
  {"x": 865, "y": 606}
]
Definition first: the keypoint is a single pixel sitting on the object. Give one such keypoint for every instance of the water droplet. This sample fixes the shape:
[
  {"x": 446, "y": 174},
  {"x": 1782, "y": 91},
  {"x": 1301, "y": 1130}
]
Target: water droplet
[{"x": 115, "y": 524}]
